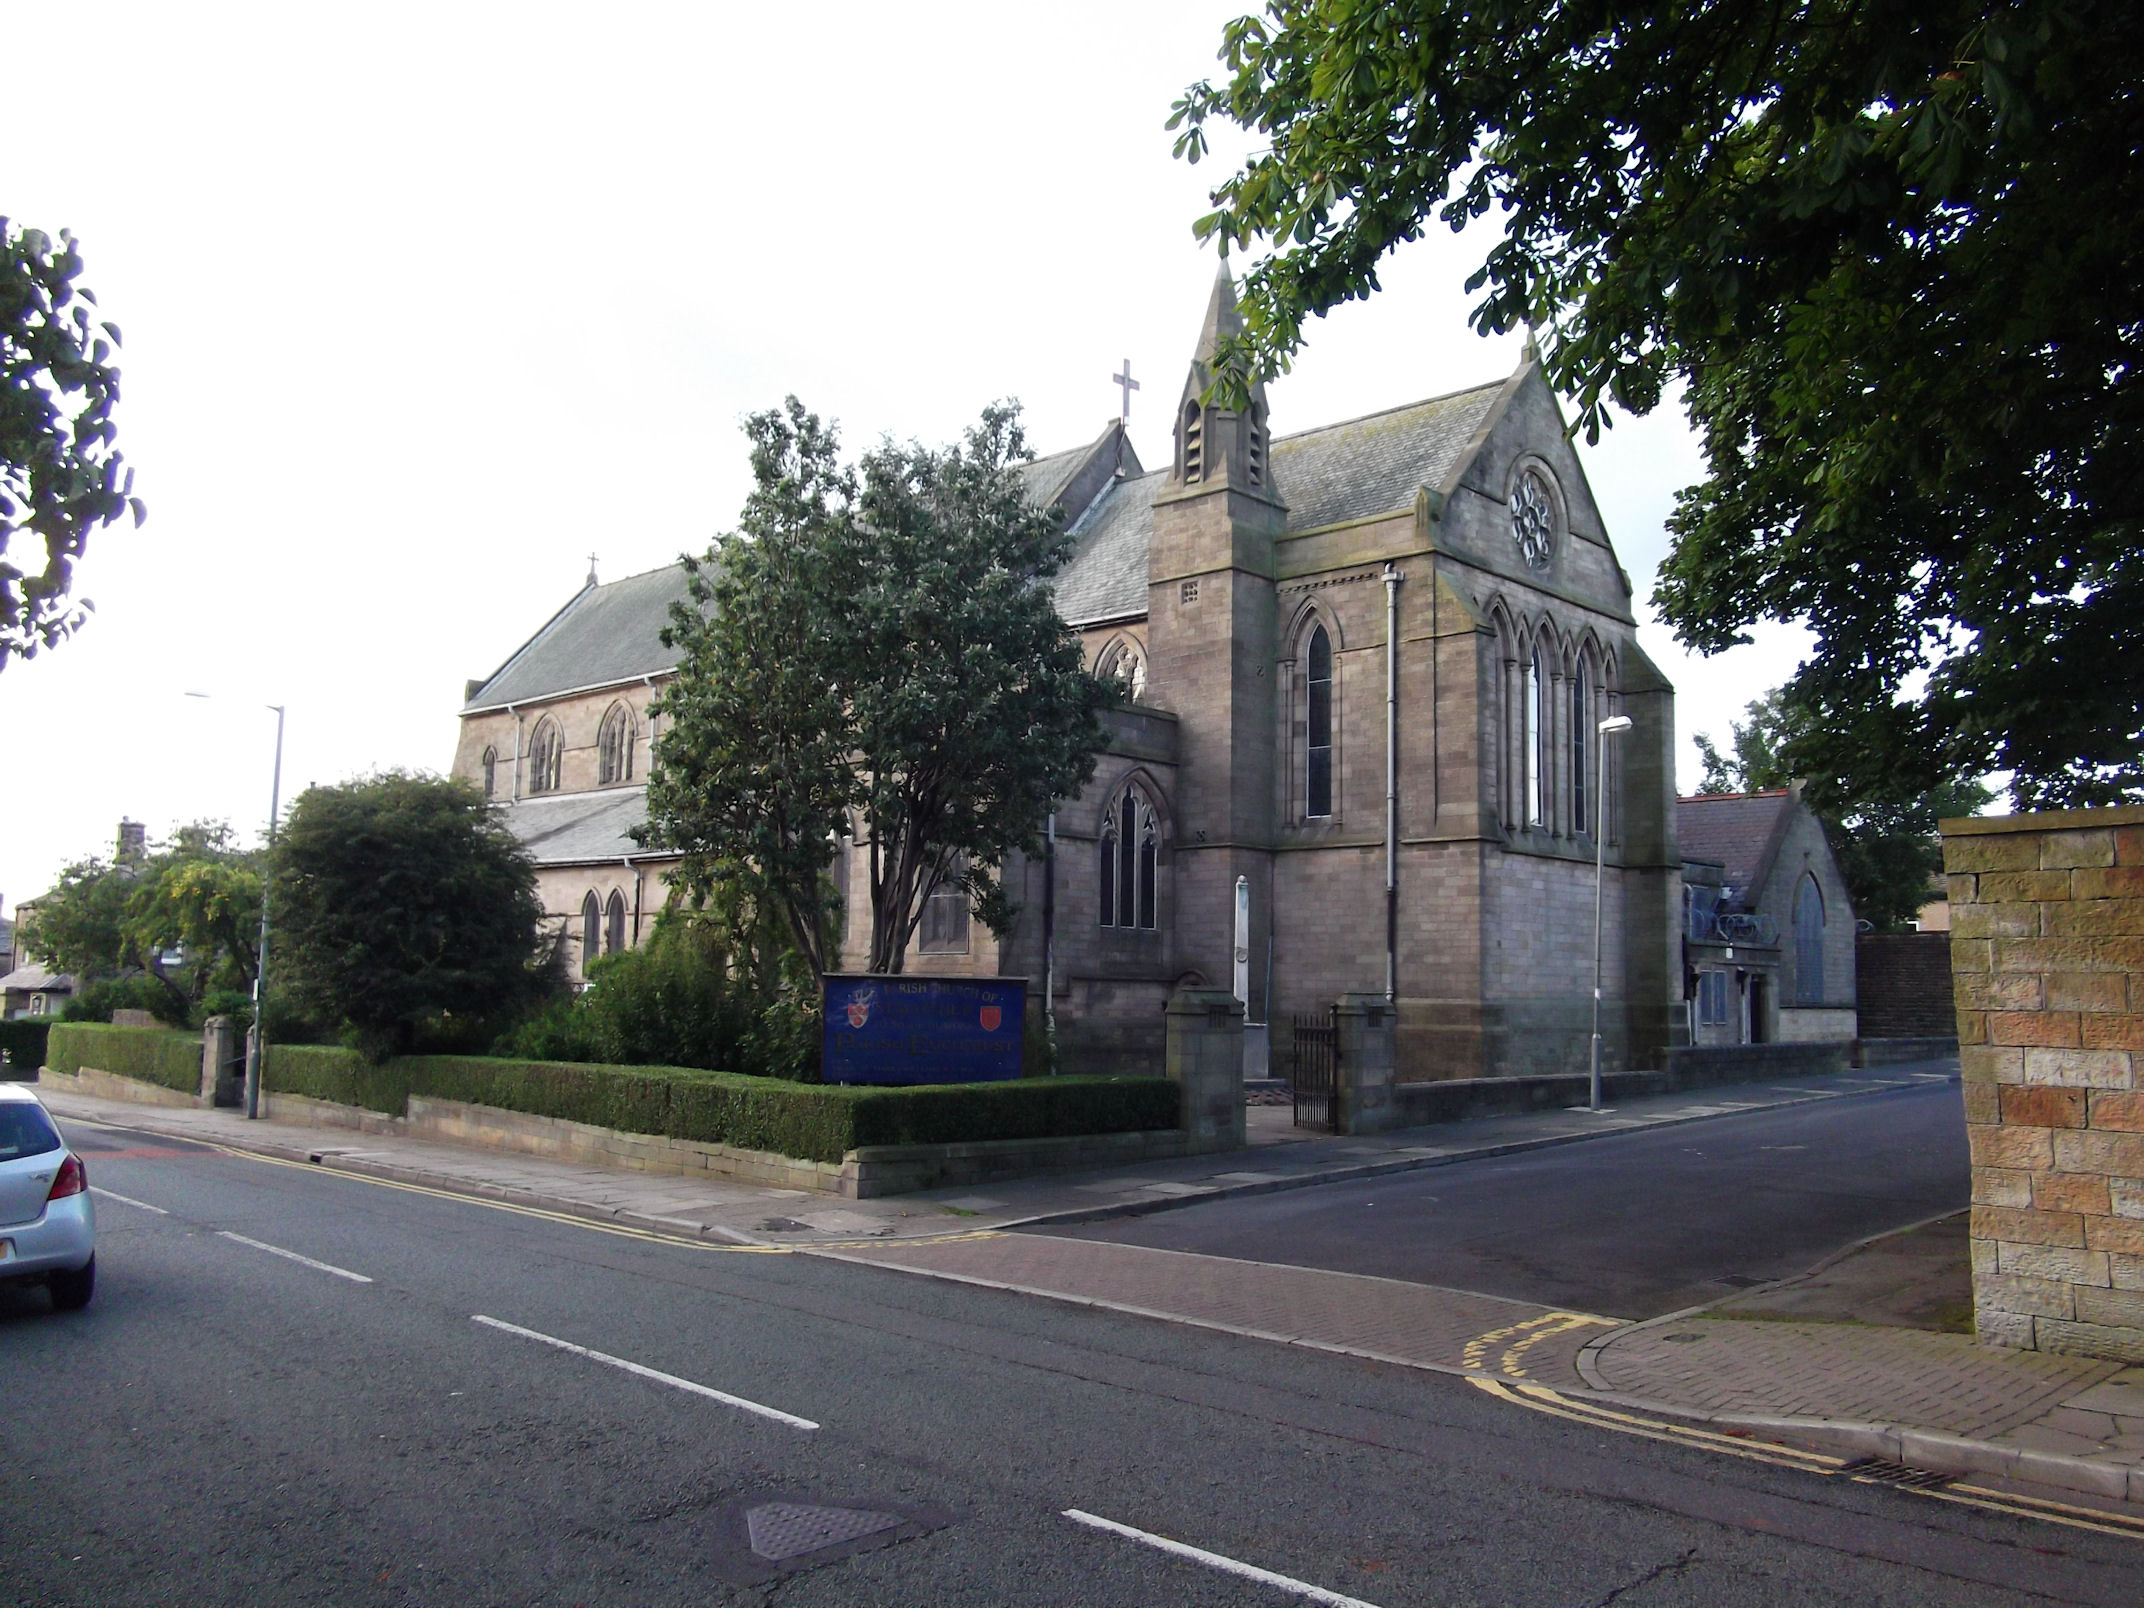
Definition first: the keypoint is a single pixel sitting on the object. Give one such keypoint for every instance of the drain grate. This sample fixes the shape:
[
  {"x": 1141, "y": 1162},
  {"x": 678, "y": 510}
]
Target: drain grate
[
  {"x": 1882, "y": 1471},
  {"x": 780, "y": 1531}
]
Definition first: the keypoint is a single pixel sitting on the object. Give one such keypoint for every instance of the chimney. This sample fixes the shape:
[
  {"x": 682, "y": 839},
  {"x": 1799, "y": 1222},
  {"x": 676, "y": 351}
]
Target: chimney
[{"x": 133, "y": 843}]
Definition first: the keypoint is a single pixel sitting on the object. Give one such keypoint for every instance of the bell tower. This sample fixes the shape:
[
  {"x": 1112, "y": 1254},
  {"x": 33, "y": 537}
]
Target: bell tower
[{"x": 1211, "y": 637}]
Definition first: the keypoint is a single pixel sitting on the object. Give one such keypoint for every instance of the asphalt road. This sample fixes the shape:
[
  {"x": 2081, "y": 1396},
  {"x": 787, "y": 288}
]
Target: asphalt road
[
  {"x": 1630, "y": 1226},
  {"x": 228, "y": 1425}
]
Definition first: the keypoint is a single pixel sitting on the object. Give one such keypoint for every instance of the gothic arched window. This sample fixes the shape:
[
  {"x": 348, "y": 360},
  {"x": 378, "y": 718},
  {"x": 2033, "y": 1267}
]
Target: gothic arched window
[
  {"x": 614, "y": 924},
  {"x": 1194, "y": 446},
  {"x": 1808, "y": 940},
  {"x": 1130, "y": 864},
  {"x": 614, "y": 746},
  {"x": 1318, "y": 728},
  {"x": 1254, "y": 424},
  {"x": 491, "y": 772},
  {"x": 1535, "y": 737},
  {"x": 1581, "y": 734},
  {"x": 547, "y": 753},
  {"x": 591, "y": 930},
  {"x": 944, "y": 927}
]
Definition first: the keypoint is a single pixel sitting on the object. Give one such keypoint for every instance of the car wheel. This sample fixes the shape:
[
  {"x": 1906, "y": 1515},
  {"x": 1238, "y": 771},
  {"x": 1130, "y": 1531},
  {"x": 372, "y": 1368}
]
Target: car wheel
[{"x": 71, "y": 1291}]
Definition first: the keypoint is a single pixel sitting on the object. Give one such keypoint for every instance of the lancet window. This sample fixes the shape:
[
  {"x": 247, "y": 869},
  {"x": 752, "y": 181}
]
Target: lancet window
[
  {"x": 943, "y": 929},
  {"x": 1130, "y": 864},
  {"x": 591, "y": 929},
  {"x": 547, "y": 752},
  {"x": 614, "y": 746},
  {"x": 1318, "y": 727},
  {"x": 491, "y": 772},
  {"x": 1809, "y": 940},
  {"x": 614, "y": 925}
]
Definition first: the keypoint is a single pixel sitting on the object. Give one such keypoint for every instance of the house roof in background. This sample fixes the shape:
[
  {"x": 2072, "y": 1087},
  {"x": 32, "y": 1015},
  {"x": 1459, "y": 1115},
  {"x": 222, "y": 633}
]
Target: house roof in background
[
  {"x": 36, "y": 980},
  {"x": 1740, "y": 831}
]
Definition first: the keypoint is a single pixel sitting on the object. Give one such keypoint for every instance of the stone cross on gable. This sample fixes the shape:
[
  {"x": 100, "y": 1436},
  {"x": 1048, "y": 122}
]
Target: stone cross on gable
[{"x": 1129, "y": 384}]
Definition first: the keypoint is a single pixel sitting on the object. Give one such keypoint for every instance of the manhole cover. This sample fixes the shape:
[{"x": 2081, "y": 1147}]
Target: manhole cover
[
  {"x": 783, "y": 1530},
  {"x": 784, "y": 1225},
  {"x": 1681, "y": 1339}
]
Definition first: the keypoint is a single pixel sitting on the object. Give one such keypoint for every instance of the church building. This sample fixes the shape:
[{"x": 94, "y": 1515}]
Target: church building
[{"x": 1367, "y": 667}]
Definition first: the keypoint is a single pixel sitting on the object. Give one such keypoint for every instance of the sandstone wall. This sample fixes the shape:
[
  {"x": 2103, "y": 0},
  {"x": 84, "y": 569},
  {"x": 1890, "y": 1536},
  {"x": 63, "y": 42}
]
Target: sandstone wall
[{"x": 2047, "y": 951}]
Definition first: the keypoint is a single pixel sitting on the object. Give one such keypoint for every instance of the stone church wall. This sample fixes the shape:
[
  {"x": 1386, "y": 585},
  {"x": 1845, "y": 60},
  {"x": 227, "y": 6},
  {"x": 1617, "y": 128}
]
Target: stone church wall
[{"x": 2047, "y": 956}]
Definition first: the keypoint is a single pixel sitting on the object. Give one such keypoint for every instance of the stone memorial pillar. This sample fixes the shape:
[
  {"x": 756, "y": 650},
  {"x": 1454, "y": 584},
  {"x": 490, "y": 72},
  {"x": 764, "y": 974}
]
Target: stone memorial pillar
[{"x": 1205, "y": 1061}]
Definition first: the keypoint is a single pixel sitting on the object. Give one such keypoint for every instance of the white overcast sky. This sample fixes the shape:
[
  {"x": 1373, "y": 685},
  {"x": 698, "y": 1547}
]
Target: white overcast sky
[{"x": 423, "y": 305}]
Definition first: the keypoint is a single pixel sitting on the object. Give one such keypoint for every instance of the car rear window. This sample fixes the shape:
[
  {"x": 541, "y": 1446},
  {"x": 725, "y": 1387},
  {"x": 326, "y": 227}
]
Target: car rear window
[{"x": 25, "y": 1130}]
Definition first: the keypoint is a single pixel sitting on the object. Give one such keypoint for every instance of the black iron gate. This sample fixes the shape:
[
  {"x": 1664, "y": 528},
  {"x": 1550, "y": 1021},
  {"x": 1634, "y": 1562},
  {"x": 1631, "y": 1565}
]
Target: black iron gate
[{"x": 1314, "y": 1070}]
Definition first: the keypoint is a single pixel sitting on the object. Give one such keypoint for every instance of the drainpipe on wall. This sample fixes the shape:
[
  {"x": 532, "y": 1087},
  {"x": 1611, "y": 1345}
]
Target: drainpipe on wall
[
  {"x": 1392, "y": 783},
  {"x": 1049, "y": 937},
  {"x": 510, "y": 709},
  {"x": 638, "y": 879}
]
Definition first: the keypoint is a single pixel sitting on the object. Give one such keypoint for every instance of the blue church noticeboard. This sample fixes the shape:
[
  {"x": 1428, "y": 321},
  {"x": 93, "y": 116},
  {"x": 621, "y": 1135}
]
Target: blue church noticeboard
[{"x": 923, "y": 1029}]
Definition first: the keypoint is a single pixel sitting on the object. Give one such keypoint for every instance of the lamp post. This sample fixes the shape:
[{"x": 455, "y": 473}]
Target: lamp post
[
  {"x": 255, "y": 1040},
  {"x": 1614, "y": 725}
]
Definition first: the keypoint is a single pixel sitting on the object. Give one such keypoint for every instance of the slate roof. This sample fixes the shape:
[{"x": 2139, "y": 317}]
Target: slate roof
[
  {"x": 1740, "y": 831},
  {"x": 1046, "y": 478},
  {"x": 34, "y": 979},
  {"x": 606, "y": 634},
  {"x": 1357, "y": 469},
  {"x": 1105, "y": 578},
  {"x": 1354, "y": 470},
  {"x": 579, "y": 828}
]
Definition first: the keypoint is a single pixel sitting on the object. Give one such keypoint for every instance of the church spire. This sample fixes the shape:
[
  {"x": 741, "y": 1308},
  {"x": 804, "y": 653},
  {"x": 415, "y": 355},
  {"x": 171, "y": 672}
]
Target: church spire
[{"x": 1217, "y": 445}]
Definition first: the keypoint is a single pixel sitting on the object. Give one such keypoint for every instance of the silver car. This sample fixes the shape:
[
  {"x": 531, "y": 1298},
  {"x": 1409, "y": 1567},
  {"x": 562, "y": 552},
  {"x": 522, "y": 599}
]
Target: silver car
[{"x": 48, "y": 1230}]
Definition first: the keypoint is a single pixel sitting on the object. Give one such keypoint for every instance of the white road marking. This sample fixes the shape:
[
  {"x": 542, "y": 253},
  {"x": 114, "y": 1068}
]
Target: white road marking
[
  {"x": 305, "y": 1261},
  {"x": 127, "y": 1200},
  {"x": 1214, "y": 1560},
  {"x": 655, "y": 1374}
]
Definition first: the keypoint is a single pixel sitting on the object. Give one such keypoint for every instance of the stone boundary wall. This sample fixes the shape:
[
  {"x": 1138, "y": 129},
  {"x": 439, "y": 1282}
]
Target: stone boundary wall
[
  {"x": 1904, "y": 983},
  {"x": 2047, "y": 956},
  {"x": 866, "y": 1173}
]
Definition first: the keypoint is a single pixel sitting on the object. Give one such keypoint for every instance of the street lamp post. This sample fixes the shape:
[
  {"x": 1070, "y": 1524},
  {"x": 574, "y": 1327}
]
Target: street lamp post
[
  {"x": 256, "y": 1041},
  {"x": 1612, "y": 726}
]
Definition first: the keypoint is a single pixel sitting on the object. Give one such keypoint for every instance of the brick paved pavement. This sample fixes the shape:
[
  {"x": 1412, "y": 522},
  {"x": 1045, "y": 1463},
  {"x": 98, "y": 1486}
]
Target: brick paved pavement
[
  {"x": 1943, "y": 1382},
  {"x": 1419, "y": 1325}
]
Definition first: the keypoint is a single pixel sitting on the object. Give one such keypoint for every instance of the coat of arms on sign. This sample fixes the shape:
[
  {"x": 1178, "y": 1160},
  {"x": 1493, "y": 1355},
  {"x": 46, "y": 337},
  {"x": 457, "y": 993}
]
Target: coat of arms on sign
[
  {"x": 860, "y": 1007},
  {"x": 991, "y": 1017}
]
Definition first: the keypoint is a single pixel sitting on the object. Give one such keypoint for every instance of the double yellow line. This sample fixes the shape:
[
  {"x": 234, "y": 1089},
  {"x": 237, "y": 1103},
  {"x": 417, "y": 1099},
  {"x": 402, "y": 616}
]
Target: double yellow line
[{"x": 1539, "y": 1398}]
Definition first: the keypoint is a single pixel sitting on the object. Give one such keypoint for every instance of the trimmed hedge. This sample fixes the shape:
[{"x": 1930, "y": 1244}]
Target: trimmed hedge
[
  {"x": 152, "y": 1054},
  {"x": 811, "y": 1121},
  {"x": 23, "y": 1040}
]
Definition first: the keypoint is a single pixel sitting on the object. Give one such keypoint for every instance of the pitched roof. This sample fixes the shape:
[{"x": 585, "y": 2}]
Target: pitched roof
[
  {"x": 1357, "y": 469},
  {"x": 606, "y": 634},
  {"x": 1740, "y": 831},
  {"x": 579, "y": 828},
  {"x": 1375, "y": 464}
]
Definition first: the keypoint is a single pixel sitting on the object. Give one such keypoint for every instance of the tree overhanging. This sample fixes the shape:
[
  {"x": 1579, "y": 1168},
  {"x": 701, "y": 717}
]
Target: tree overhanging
[{"x": 1890, "y": 249}]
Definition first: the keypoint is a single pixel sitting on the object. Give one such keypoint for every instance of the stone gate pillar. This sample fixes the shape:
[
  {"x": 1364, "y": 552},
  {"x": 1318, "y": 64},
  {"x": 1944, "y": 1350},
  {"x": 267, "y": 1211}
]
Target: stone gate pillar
[
  {"x": 1205, "y": 1061},
  {"x": 222, "y": 1061},
  {"x": 1369, "y": 1041},
  {"x": 2047, "y": 957}
]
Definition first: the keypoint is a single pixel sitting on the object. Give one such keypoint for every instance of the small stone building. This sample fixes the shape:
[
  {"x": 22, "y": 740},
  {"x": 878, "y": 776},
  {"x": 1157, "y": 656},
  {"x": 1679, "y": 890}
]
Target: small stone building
[
  {"x": 1367, "y": 664},
  {"x": 1768, "y": 939}
]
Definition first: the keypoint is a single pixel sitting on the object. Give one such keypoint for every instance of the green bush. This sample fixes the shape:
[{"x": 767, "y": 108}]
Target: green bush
[
  {"x": 23, "y": 1042},
  {"x": 678, "y": 1001},
  {"x": 151, "y": 1054},
  {"x": 814, "y": 1122}
]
